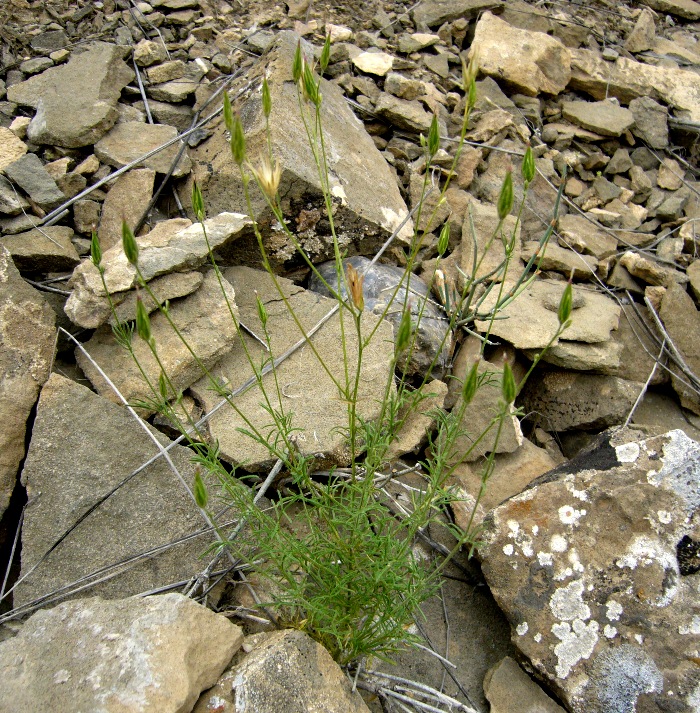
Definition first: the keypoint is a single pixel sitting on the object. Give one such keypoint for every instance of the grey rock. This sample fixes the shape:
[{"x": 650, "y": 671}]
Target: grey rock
[
  {"x": 35, "y": 65},
  {"x": 598, "y": 357},
  {"x": 368, "y": 211},
  {"x": 46, "y": 249},
  {"x": 130, "y": 140},
  {"x": 687, "y": 9},
  {"x": 606, "y": 190},
  {"x": 585, "y": 237},
  {"x": 308, "y": 392},
  {"x": 147, "y": 52},
  {"x": 603, "y": 117},
  {"x": 127, "y": 201},
  {"x": 532, "y": 62},
  {"x": 659, "y": 412},
  {"x": 682, "y": 322},
  {"x": 672, "y": 207},
  {"x": 530, "y": 321},
  {"x": 650, "y": 121},
  {"x": 86, "y": 215},
  {"x": 166, "y": 72},
  {"x": 650, "y": 271},
  {"x": 435, "y": 12},
  {"x": 627, "y": 80},
  {"x": 416, "y": 42},
  {"x": 408, "y": 115},
  {"x": 11, "y": 202},
  {"x": 27, "y": 338},
  {"x": 602, "y": 600},
  {"x": 152, "y": 654},
  {"x": 431, "y": 351},
  {"x": 562, "y": 401},
  {"x": 173, "y": 245},
  {"x": 205, "y": 320},
  {"x": 671, "y": 175},
  {"x": 29, "y": 174},
  {"x": 49, "y": 41},
  {"x": 177, "y": 90},
  {"x": 75, "y": 102},
  {"x": 620, "y": 162},
  {"x": 508, "y": 688},
  {"x": 377, "y": 63},
  {"x": 403, "y": 87},
  {"x": 284, "y": 672},
  {"x": 178, "y": 115}
]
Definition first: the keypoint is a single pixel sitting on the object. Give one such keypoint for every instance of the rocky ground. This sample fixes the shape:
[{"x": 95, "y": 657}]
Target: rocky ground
[{"x": 586, "y": 595}]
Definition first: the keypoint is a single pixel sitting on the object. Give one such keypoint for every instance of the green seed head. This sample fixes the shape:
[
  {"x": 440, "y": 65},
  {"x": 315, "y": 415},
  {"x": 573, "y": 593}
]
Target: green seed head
[
  {"x": 131, "y": 249},
  {"x": 266, "y": 99},
  {"x": 403, "y": 335},
  {"x": 565, "y": 304},
  {"x": 262, "y": 311},
  {"x": 325, "y": 53},
  {"x": 197, "y": 202},
  {"x": 143, "y": 321},
  {"x": 163, "y": 386},
  {"x": 470, "y": 383},
  {"x": 444, "y": 239},
  {"x": 508, "y": 384},
  {"x": 528, "y": 167},
  {"x": 505, "y": 199},
  {"x": 433, "y": 137},
  {"x": 201, "y": 497},
  {"x": 297, "y": 64},
  {"x": 237, "y": 140},
  {"x": 95, "y": 250}
]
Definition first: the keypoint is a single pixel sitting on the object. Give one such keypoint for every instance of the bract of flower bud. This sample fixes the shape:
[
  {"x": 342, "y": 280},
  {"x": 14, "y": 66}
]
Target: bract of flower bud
[
  {"x": 403, "y": 334},
  {"x": 433, "y": 137},
  {"x": 297, "y": 64},
  {"x": 508, "y": 384},
  {"x": 565, "y": 304},
  {"x": 470, "y": 383},
  {"x": 131, "y": 249}
]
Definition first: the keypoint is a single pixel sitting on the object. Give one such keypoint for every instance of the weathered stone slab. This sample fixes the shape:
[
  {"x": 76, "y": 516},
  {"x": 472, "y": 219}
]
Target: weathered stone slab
[
  {"x": 75, "y": 102},
  {"x": 82, "y": 447},
  {"x": 29, "y": 174},
  {"x": 596, "y": 568},
  {"x": 307, "y": 391},
  {"x": 129, "y": 140},
  {"x": 27, "y": 338},
  {"x": 43, "y": 250},
  {"x": 11, "y": 147},
  {"x": 584, "y": 236},
  {"x": 139, "y": 654},
  {"x": 368, "y": 205},
  {"x": 531, "y": 320},
  {"x": 173, "y": 245},
  {"x": 204, "y": 320},
  {"x": 508, "y": 688},
  {"x": 532, "y": 62},
  {"x": 435, "y": 12},
  {"x": 408, "y": 115},
  {"x": 603, "y": 117},
  {"x": 688, "y": 9},
  {"x": 284, "y": 672},
  {"x": 626, "y": 79}
]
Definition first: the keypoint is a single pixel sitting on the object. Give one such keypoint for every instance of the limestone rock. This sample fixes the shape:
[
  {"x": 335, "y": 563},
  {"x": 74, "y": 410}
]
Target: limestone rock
[
  {"x": 626, "y": 79},
  {"x": 203, "y": 318},
  {"x": 435, "y": 12},
  {"x": 559, "y": 259},
  {"x": 129, "y": 140},
  {"x": 650, "y": 121},
  {"x": 590, "y": 566},
  {"x": 603, "y": 117},
  {"x": 688, "y": 9},
  {"x": 561, "y": 400},
  {"x": 682, "y": 321},
  {"x": 146, "y": 655},
  {"x": 173, "y": 245},
  {"x": 127, "y": 200},
  {"x": 285, "y": 672},
  {"x": 532, "y": 62},
  {"x": 585, "y": 237},
  {"x": 82, "y": 448},
  {"x": 531, "y": 320},
  {"x": 11, "y": 148},
  {"x": 508, "y": 688},
  {"x": 27, "y": 338},
  {"x": 30, "y": 175},
  {"x": 598, "y": 357},
  {"x": 408, "y": 115},
  {"x": 307, "y": 392},
  {"x": 368, "y": 204},
  {"x": 376, "y": 63},
  {"x": 651, "y": 271},
  {"x": 43, "y": 250},
  {"x": 11, "y": 201},
  {"x": 431, "y": 350},
  {"x": 75, "y": 102},
  {"x": 642, "y": 36}
]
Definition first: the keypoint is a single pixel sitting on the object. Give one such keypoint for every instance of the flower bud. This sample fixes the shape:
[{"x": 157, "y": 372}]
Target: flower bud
[
  {"x": 565, "y": 305},
  {"x": 297, "y": 63},
  {"x": 95, "y": 250},
  {"x": 508, "y": 384},
  {"x": 355, "y": 285},
  {"x": 143, "y": 321},
  {"x": 325, "y": 53},
  {"x": 237, "y": 140},
  {"x": 403, "y": 335},
  {"x": 197, "y": 202},
  {"x": 471, "y": 383},
  {"x": 433, "y": 137},
  {"x": 528, "y": 167},
  {"x": 163, "y": 386},
  {"x": 262, "y": 311},
  {"x": 505, "y": 199},
  {"x": 201, "y": 497},
  {"x": 266, "y": 98},
  {"x": 444, "y": 239},
  {"x": 131, "y": 249}
]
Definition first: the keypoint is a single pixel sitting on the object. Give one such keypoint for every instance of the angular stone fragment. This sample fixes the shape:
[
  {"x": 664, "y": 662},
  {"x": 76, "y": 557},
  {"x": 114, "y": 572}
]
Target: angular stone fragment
[
  {"x": 408, "y": 115},
  {"x": 585, "y": 237},
  {"x": 688, "y": 9},
  {"x": 27, "y": 338},
  {"x": 205, "y": 321},
  {"x": 591, "y": 567},
  {"x": 432, "y": 13},
  {"x": 508, "y": 688},
  {"x": 650, "y": 121},
  {"x": 75, "y": 102},
  {"x": 11, "y": 148},
  {"x": 561, "y": 401},
  {"x": 368, "y": 205},
  {"x": 642, "y": 36},
  {"x": 532, "y": 62},
  {"x": 603, "y": 117},
  {"x": 651, "y": 271},
  {"x": 132, "y": 139},
  {"x": 530, "y": 321},
  {"x": 11, "y": 201},
  {"x": 599, "y": 357},
  {"x": 626, "y": 79},
  {"x": 563, "y": 260},
  {"x": 43, "y": 250},
  {"x": 82, "y": 448},
  {"x": 29, "y": 174},
  {"x": 173, "y": 245},
  {"x": 315, "y": 403},
  {"x": 127, "y": 200},
  {"x": 377, "y": 63},
  {"x": 285, "y": 672},
  {"x": 147, "y": 654}
]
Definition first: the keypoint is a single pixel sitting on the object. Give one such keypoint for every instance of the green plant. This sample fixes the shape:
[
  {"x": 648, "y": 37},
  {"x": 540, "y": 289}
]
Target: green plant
[{"x": 338, "y": 563}]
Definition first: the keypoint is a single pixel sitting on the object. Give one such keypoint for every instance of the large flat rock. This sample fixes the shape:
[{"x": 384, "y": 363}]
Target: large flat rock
[
  {"x": 82, "y": 448},
  {"x": 367, "y": 204},
  {"x": 306, "y": 390},
  {"x": 75, "y": 103},
  {"x": 27, "y": 337},
  {"x": 596, "y": 568},
  {"x": 150, "y": 655}
]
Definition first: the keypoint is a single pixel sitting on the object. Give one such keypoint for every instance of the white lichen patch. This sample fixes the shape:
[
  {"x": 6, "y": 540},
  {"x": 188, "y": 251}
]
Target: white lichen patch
[
  {"x": 609, "y": 631},
  {"x": 545, "y": 559},
  {"x": 526, "y": 546},
  {"x": 692, "y": 628},
  {"x": 578, "y": 494},
  {"x": 577, "y": 641},
  {"x": 558, "y": 543},
  {"x": 563, "y": 574},
  {"x": 664, "y": 517},
  {"x": 567, "y": 602},
  {"x": 569, "y": 515},
  {"x": 535, "y": 530},
  {"x": 513, "y": 527},
  {"x": 680, "y": 470},
  {"x": 627, "y": 452},
  {"x": 646, "y": 552},
  {"x": 521, "y": 629},
  {"x": 508, "y": 549},
  {"x": 537, "y": 637},
  {"x": 639, "y": 639},
  {"x": 613, "y": 610}
]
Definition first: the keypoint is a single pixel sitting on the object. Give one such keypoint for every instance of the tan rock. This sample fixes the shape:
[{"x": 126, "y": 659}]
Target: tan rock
[
  {"x": 11, "y": 148},
  {"x": 127, "y": 200},
  {"x": 642, "y": 36},
  {"x": 508, "y": 688}
]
